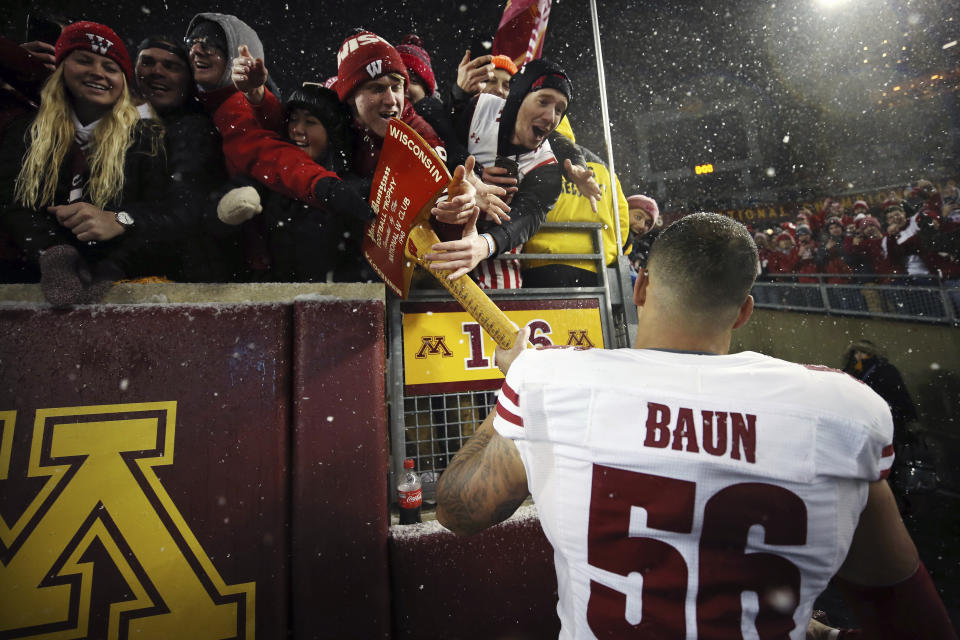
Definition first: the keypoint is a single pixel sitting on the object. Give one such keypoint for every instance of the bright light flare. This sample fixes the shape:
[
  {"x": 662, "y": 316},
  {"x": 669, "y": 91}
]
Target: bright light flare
[{"x": 830, "y": 4}]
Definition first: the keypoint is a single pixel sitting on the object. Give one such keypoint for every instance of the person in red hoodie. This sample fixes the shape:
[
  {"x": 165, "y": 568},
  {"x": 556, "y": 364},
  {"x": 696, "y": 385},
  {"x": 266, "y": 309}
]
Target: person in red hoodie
[
  {"x": 830, "y": 253},
  {"x": 781, "y": 261},
  {"x": 865, "y": 255},
  {"x": 806, "y": 263},
  {"x": 833, "y": 259},
  {"x": 248, "y": 114},
  {"x": 806, "y": 249},
  {"x": 862, "y": 247}
]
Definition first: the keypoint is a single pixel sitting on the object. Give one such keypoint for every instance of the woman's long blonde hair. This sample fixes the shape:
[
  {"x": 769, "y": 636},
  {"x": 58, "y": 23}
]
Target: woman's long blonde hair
[{"x": 51, "y": 135}]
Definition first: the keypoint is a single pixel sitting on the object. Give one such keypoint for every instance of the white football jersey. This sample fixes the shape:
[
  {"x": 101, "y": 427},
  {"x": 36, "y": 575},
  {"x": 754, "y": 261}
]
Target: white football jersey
[{"x": 692, "y": 496}]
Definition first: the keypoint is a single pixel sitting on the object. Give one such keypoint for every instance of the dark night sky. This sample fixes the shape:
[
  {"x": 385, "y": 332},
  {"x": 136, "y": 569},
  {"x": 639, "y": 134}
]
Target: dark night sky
[{"x": 814, "y": 75}]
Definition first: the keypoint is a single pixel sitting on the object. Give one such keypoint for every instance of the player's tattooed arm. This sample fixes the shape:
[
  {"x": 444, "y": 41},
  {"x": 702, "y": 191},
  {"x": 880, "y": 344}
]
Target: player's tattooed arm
[{"x": 484, "y": 483}]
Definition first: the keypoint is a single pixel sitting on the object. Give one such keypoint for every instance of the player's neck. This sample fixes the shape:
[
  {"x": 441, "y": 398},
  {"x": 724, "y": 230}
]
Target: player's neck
[{"x": 663, "y": 333}]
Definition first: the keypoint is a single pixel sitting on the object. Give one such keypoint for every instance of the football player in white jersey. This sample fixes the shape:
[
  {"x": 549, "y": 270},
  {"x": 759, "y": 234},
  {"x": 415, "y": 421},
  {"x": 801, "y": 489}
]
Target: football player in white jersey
[{"x": 688, "y": 492}]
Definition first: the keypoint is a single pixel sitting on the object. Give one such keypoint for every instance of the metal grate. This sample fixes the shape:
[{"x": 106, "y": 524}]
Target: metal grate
[{"x": 436, "y": 426}]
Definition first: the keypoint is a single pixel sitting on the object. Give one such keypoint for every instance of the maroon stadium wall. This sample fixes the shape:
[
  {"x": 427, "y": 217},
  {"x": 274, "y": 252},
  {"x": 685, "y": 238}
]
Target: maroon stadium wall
[{"x": 219, "y": 470}]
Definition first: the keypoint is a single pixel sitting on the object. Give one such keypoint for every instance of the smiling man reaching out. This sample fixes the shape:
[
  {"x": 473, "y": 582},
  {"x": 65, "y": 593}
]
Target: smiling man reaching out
[{"x": 508, "y": 138}]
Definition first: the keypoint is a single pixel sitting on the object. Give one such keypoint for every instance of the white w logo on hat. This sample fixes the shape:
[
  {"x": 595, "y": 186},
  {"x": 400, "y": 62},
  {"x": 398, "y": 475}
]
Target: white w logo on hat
[
  {"x": 99, "y": 44},
  {"x": 374, "y": 68}
]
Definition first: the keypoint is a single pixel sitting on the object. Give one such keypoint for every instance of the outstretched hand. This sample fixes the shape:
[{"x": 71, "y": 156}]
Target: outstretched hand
[
  {"x": 463, "y": 205},
  {"x": 583, "y": 178},
  {"x": 249, "y": 74},
  {"x": 460, "y": 256},
  {"x": 500, "y": 177},
  {"x": 489, "y": 199}
]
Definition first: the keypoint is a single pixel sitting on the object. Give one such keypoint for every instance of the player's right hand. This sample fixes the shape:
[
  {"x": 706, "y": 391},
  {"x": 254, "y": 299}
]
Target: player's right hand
[{"x": 505, "y": 357}]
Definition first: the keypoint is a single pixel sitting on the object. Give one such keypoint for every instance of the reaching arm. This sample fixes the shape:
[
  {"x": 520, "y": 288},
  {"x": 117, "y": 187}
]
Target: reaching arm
[
  {"x": 536, "y": 195},
  {"x": 883, "y": 580},
  {"x": 484, "y": 484}
]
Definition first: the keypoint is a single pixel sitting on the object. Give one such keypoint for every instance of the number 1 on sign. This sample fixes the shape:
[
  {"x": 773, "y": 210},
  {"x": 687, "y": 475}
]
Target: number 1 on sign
[{"x": 477, "y": 359}]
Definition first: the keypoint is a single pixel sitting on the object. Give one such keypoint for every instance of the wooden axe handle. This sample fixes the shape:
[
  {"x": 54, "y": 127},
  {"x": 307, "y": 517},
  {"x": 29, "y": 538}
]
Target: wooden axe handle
[{"x": 465, "y": 290}]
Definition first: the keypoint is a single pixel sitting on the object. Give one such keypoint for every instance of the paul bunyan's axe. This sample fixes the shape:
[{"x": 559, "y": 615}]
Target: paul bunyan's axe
[{"x": 410, "y": 178}]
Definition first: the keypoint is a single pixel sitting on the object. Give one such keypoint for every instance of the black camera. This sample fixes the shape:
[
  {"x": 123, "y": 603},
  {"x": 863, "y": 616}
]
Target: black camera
[
  {"x": 44, "y": 28},
  {"x": 513, "y": 169}
]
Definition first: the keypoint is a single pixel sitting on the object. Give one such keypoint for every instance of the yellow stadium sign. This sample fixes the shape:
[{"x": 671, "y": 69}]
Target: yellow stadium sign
[
  {"x": 446, "y": 350},
  {"x": 701, "y": 169},
  {"x": 102, "y": 504}
]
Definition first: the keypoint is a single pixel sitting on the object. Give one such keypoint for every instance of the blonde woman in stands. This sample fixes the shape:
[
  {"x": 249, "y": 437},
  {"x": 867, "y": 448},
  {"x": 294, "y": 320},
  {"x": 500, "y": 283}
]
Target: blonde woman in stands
[{"x": 87, "y": 171}]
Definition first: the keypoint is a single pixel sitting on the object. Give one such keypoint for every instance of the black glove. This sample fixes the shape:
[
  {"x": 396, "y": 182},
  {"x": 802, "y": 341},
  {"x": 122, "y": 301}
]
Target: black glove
[{"x": 342, "y": 200}]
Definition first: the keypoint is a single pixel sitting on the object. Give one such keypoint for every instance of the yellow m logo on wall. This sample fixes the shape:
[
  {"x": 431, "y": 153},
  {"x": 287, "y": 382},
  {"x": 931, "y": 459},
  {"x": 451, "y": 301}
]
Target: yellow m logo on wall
[{"x": 102, "y": 493}]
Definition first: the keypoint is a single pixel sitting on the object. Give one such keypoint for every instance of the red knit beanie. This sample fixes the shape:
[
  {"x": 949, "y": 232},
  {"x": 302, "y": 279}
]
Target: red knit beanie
[
  {"x": 95, "y": 38},
  {"x": 868, "y": 221},
  {"x": 646, "y": 203},
  {"x": 417, "y": 60},
  {"x": 362, "y": 57}
]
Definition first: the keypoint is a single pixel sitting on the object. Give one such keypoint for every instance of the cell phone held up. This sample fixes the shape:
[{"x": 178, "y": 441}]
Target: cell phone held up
[
  {"x": 513, "y": 169},
  {"x": 43, "y": 28}
]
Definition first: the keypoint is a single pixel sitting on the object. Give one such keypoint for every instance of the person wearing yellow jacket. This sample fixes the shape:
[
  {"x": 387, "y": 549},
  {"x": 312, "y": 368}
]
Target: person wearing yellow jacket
[{"x": 573, "y": 206}]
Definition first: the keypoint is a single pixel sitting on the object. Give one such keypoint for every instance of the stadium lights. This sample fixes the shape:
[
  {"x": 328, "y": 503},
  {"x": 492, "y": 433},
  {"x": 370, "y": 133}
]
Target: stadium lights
[
  {"x": 701, "y": 169},
  {"x": 830, "y": 4}
]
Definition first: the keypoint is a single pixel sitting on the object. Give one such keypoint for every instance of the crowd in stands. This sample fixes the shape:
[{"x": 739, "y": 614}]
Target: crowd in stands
[
  {"x": 184, "y": 163},
  {"x": 911, "y": 239}
]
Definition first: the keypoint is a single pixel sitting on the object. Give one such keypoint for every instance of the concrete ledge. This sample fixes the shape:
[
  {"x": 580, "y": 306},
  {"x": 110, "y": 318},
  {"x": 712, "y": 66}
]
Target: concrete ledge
[{"x": 189, "y": 293}]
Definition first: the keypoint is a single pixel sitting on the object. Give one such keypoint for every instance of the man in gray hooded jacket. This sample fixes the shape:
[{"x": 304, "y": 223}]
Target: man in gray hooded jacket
[{"x": 248, "y": 122}]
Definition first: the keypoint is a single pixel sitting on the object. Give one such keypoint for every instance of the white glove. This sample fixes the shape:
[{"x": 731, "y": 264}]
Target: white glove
[{"x": 239, "y": 205}]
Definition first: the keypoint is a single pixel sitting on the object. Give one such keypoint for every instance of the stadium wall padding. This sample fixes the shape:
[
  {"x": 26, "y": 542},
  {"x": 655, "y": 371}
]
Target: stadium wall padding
[{"x": 215, "y": 467}]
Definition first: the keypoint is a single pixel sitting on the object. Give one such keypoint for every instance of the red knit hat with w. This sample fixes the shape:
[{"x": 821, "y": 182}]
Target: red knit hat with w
[
  {"x": 95, "y": 38},
  {"x": 363, "y": 57},
  {"x": 417, "y": 60}
]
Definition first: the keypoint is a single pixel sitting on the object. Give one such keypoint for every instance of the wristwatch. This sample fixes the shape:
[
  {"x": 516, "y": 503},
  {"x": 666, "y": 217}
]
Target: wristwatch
[{"x": 125, "y": 219}]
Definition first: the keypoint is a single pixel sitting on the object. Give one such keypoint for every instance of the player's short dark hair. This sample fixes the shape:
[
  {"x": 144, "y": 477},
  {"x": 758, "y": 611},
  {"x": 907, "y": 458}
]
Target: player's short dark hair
[{"x": 707, "y": 261}]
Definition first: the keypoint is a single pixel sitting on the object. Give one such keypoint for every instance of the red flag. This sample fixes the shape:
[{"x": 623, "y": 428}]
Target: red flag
[{"x": 522, "y": 30}]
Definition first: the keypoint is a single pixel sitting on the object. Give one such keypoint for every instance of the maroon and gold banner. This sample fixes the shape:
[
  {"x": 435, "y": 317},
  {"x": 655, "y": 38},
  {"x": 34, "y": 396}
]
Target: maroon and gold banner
[{"x": 445, "y": 350}]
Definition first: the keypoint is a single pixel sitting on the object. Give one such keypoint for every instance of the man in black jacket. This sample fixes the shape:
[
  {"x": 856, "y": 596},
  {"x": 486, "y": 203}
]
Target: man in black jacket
[
  {"x": 864, "y": 361},
  {"x": 209, "y": 251},
  {"x": 511, "y": 134}
]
